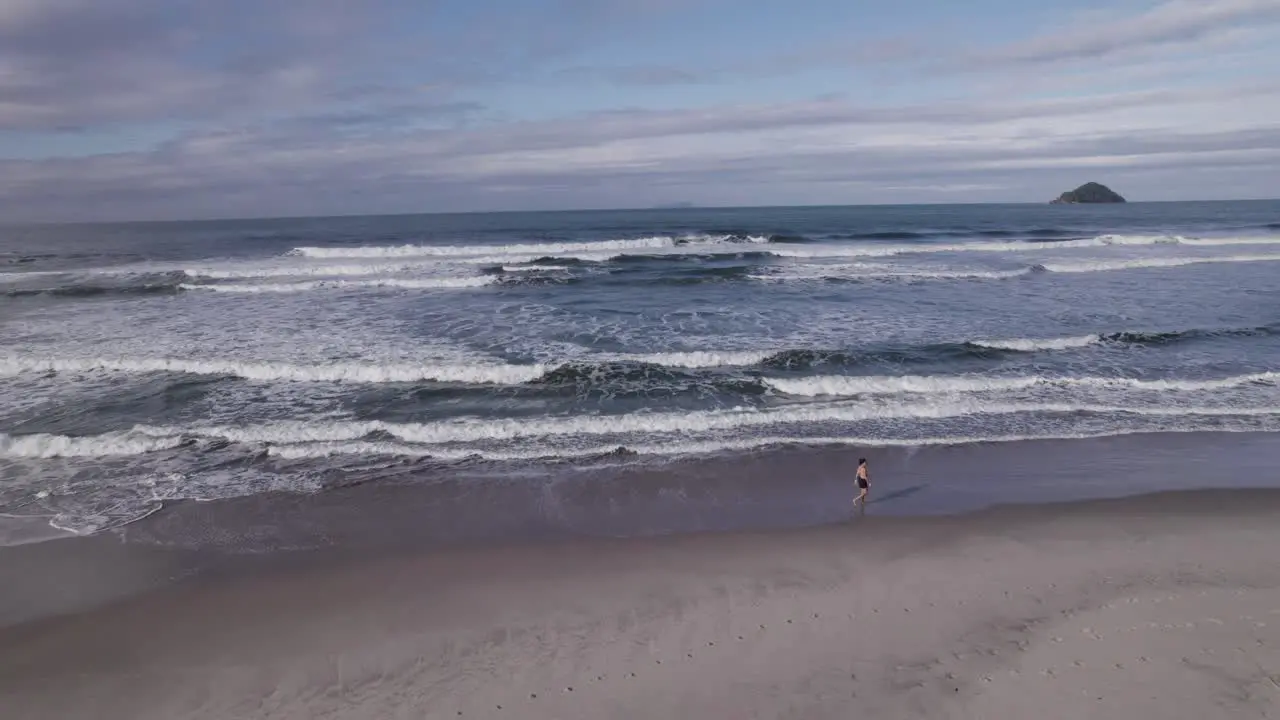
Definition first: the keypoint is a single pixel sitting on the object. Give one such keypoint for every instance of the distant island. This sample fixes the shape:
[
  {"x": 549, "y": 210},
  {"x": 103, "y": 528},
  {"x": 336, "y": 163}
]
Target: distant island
[{"x": 1089, "y": 193}]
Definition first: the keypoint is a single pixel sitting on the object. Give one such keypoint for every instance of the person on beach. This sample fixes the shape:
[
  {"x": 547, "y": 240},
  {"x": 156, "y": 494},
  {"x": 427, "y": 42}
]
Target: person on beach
[{"x": 864, "y": 483}]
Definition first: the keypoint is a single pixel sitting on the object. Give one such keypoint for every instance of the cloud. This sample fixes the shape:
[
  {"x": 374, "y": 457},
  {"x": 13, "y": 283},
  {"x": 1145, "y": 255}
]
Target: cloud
[
  {"x": 635, "y": 75},
  {"x": 1097, "y": 37},
  {"x": 394, "y": 117},
  {"x": 344, "y": 163},
  {"x": 1170, "y": 23},
  {"x": 600, "y": 129},
  {"x": 332, "y": 106},
  {"x": 97, "y": 63}
]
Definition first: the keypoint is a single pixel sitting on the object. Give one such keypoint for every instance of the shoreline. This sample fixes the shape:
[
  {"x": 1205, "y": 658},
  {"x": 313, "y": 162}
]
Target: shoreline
[
  {"x": 420, "y": 506},
  {"x": 730, "y": 490},
  {"x": 781, "y": 490},
  {"x": 994, "y": 611}
]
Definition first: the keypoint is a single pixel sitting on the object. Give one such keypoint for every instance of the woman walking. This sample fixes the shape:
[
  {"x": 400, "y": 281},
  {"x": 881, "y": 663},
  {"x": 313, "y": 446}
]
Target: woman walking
[{"x": 864, "y": 483}]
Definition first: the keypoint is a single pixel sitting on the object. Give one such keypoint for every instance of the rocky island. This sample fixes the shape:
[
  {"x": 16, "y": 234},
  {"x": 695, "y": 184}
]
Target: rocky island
[{"x": 1089, "y": 193}]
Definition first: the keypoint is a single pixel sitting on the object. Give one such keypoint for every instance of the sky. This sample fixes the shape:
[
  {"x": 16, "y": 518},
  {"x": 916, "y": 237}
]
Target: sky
[{"x": 177, "y": 109}]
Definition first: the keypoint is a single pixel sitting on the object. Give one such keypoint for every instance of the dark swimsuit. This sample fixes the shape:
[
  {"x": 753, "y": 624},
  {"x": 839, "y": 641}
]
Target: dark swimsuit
[{"x": 862, "y": 483}]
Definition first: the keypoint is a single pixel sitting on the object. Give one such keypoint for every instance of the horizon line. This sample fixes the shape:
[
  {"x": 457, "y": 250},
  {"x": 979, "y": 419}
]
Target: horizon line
[{"x": 647, "y": 208}]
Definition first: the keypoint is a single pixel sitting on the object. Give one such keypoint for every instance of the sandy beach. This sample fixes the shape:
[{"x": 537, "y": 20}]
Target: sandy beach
[{"x": 1160, "y": 606}]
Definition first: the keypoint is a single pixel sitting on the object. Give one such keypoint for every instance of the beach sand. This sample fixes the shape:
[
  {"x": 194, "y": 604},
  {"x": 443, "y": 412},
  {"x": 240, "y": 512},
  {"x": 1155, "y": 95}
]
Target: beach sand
[{"x": 1160, "y": 606}]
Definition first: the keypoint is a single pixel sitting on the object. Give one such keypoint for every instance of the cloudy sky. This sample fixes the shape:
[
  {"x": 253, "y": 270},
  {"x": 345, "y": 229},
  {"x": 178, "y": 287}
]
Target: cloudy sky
[{"x": 169, "y": 109}]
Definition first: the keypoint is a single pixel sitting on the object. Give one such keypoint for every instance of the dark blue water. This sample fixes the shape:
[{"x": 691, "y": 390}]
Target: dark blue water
[{"x": 202, "y": 360}]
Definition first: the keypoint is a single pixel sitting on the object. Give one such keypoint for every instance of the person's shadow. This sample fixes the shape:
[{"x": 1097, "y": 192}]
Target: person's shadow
[
  {"x": 895, "y": 495},
  {"x": 899, "y": 494}
]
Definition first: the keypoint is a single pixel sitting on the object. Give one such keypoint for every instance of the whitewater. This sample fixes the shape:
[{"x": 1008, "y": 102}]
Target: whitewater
[{"x": 148, "y": 364}]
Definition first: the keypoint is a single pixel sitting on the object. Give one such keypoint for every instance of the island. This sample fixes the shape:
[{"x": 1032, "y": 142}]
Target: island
[{"x": 1089, "y": 193}]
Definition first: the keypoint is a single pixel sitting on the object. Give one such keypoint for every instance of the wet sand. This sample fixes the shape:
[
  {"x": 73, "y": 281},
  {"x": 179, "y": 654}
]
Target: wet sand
[
  {"x": 423, "y": 506},
  {"x": 1159, "y": 606}
]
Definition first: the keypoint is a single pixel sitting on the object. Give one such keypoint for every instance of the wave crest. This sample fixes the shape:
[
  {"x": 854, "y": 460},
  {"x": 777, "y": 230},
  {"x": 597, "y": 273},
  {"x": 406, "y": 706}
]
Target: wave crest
[
  {"x": 45, "y": 446},
  {"x": 1034, "y": 345},
  {"x": 1087, "y": 266},
  {"x": 384, "y": 283},
  {"x": 477, "y": 373},
  {"x": 473, "y": 429},
  {"x": 854, "y": 385},
  {"x": 535, "y": 249}
]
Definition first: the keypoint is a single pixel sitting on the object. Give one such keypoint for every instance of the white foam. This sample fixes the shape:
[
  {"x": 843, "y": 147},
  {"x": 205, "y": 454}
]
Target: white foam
[
  {"x": 108, "y": 445},
  {"x": 1139, "y": 263},
  {"x": 657, "y": 242},
  {"x": 863, "y": 272},
  {"x": 958, "y": 274},
  {"x": 871, "y": 250},
  {"x": 393, "y": 449},
  {"x": 534, "y": 249},
  {"x": 532, "y": 268},
  {"x": 442, "y": 283},
  {"x": 837, "y": 251},
  {"x": 1269, "y": 378},
  {"x": 1125, "y": 240},
  {"x": 476, "y": 429},
  {"x": 251, "y": 271},
  {"x": 1200, "y": 241},
  {"x": 279, "y": 267},
  {"x": 812, "y": 272},
  {"x": 466, "y": 430},
  {"x": 321, "y": 450},
  {"x": 1036, "y": 344},
  {"x": 19, "y": 276},
  {"x": 475, "y": 373},
  {"x": 843, "y": 386},
  {"x": 460, "y": 372},
  {"x": 513, "y": 260},
  {"x": 697, "y": 358},
  {"x": 304, "y": 439},
  {"x": 312, "y": 450}
]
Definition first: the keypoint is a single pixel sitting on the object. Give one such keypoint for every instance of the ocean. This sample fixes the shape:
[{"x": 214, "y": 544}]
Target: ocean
[{"x": 146, "y": 363}]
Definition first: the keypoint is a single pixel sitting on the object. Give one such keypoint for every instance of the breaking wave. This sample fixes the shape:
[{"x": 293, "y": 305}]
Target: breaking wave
[
  {"x": 387, "y": 283},
  {"x": 321, "y": 450},
  {"x": 696, "y": 358},
  {"x": 477, "y": 373},
  {"x": 605, "y": 366},
  {"x": 843, "y": 386},
  {"x": 628, "y": 259},
  {"x": 1016, "y": 246},
  {"x": 858, "y": 272},
  {"x": 863, "y": 273},
  {"x": 533, "y": 268},
  {"x": 45, "y": 446},
  {"x": 74, "y": 286},
  {"x": 1035, "y": 345},
  {"x": 54, "y": 446},
  {"x": 466, "y": 430},
  {"x": 537, "y": 249},
  {"x": 441, "y": 439},
  {"x": 1122, "y": 338},
  {"x": 1141, "y": 263},
  {"x": 402, "y": 266},
  {"x": 253, "y": 271},
  {"x": 1174, "y": 336}
]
